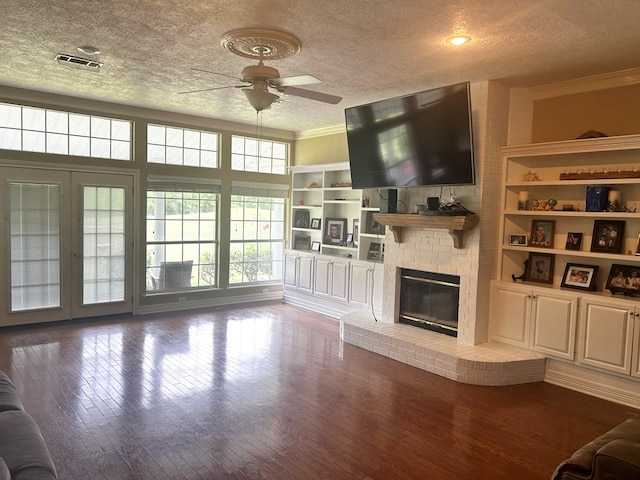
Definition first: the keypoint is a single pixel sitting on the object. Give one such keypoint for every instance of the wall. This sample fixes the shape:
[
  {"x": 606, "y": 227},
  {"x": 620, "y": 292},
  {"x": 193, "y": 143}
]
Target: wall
[
  {"x": 331, "y": 148},
  {"x": 613, "y": 111}
]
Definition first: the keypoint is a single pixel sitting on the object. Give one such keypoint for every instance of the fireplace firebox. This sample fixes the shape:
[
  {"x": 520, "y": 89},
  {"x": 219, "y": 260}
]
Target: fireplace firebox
[{"x": 429, "y": 300}]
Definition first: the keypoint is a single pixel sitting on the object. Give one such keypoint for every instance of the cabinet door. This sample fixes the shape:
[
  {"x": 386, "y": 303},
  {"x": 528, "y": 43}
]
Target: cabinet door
[
  {"x": 322, "y": 276},
  {"x": 510, "y": 313},
  {"x": 360, "y": 285},
  {"x": 554, "y": 319},
  {"x": 305, "y": 273},
  {"x": 606, "y": 335},
  {"x": 339, "y": 280},
  {"x": 635, "y": 367},
  {"x": 290, "y": 269}
]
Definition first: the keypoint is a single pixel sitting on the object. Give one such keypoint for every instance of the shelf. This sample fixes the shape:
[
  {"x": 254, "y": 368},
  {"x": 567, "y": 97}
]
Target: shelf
[
  {"x": 455, "y": 224},
  {"x": 616, "y": 257},
  {"x": 569, "y": 213}
]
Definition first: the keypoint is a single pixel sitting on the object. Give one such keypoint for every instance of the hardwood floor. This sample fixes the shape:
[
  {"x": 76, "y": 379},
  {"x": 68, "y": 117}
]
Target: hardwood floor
[{"x": 270, "y": 392}]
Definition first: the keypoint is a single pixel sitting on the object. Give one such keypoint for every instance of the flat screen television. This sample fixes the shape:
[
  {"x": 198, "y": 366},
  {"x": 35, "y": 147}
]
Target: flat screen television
[{"x": 416, "y": 140}]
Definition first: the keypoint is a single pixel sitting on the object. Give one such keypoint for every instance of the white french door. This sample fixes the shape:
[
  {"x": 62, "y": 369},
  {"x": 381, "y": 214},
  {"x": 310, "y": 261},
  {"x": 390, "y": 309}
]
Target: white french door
[{"x": 68, "y": 243}]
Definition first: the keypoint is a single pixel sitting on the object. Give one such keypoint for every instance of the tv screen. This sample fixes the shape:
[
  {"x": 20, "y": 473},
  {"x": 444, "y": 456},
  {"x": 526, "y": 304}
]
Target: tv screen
[{"x": 420, "y": 139}]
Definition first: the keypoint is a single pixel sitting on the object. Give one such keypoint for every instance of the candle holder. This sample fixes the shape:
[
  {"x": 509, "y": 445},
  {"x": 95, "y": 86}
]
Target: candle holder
[{"x": 523, "y": 205}]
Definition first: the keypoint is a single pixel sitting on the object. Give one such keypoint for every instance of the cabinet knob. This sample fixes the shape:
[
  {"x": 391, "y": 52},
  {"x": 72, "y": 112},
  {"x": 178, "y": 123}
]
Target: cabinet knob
[{"x": 637, "y": 314}]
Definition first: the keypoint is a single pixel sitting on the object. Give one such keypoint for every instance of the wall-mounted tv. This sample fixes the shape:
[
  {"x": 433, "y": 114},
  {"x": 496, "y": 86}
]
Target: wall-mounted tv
[{"x": 420, "y": 139}]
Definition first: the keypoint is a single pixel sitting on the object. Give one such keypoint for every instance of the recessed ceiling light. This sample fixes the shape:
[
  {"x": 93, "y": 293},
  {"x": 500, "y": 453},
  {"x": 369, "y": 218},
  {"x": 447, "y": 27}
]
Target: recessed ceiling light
[
  {"x": 89, "y": 50},
  {"x": 458, "y": 40}
]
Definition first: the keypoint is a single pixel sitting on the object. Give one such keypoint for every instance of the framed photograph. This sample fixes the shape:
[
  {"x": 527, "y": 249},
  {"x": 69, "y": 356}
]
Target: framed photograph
[
  {"x": 373, "y": 226},
  {"x": 581, "y": 277},
  {"x": 374, "y": 252},
  {"x": 608, "y": 236},
  {"x": 349, "y": 239},
  {"x": 574, "y": 241},
  {"x": 301, "y": 242},
  {"x": 315, "y": 223},
  {"x": 518, "y": 239},
  {"x": 356, "y": 232},
  {"x": 335, "y": 231},
  {"x": 624, "y": 279},
  {"x": 542, "y": 233},
  {"x": 540, "y": 267},
  {"x": 315, "y": 246},
  {"x": 301, "y": 219},
  {"x": 638, "y": 245}
]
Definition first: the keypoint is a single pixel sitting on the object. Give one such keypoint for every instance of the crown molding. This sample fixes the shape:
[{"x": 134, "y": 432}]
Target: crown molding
[
  {"x": 622, "y": 78},
  {"x": 321, "y": 132}
]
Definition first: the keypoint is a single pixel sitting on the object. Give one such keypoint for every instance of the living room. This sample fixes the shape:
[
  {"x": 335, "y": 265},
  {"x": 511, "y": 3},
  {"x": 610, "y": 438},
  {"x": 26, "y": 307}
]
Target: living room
[{"x": 503, "y": 115}]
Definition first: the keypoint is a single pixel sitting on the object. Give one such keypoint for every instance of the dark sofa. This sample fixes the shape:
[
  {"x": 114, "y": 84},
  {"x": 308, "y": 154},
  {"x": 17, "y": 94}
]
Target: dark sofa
[
  {"x": 23, "y": 453},
  {"x": 612, "y": 456}
]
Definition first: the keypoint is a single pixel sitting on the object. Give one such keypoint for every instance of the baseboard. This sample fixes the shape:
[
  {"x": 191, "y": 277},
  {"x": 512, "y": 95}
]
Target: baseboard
[
  {"x": 600, "y": 389},
  {"x": 210, "y": 302}
]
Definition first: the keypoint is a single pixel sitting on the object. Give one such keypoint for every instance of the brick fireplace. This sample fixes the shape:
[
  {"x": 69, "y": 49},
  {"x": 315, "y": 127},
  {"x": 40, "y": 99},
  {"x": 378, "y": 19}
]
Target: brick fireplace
[{"x": 458, "y": 358}]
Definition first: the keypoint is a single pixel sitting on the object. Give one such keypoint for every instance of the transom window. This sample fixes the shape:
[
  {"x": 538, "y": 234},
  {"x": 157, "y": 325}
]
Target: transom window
[
  {"x": 255, "y": 155},
  {"x": 257, "y": 235},
  {"x": 51, "y": 131},
  {"x": 181, "y": 146}
]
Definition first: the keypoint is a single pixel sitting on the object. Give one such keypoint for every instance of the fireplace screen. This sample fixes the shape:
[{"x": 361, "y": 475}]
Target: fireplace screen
[{"x": 430, "y": 300}]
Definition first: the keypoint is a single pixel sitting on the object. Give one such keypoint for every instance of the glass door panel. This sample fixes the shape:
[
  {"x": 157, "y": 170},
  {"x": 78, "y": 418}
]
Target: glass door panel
[{"x": 103, "y": 253}]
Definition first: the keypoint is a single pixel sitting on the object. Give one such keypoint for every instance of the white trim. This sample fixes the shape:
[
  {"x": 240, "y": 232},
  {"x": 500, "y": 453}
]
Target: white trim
[
  {"x": 321, "y": 132},
  {"x": 587, "y": 84}
]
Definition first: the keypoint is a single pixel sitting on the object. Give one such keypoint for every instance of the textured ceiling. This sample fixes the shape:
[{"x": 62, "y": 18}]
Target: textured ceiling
[{"x": 362, "y": 50}]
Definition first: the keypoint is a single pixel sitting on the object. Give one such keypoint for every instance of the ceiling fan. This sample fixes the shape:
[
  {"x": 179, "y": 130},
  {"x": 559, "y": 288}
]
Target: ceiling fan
[{"x": 258, "y": 79}]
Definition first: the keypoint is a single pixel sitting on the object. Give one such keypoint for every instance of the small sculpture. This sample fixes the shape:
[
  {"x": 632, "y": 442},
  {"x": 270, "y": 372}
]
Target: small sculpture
[
  {"x": 531, "y": 177},
  {"x": 522, "y": 277}
]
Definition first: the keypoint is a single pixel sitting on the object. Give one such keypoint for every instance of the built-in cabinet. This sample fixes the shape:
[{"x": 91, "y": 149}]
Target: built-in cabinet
[
  {"x": 536, "y": 318},
  {"x": 333, "y": 275},
  {"x": 332, "y": 285},
  {"x": 548, "y": 182}
]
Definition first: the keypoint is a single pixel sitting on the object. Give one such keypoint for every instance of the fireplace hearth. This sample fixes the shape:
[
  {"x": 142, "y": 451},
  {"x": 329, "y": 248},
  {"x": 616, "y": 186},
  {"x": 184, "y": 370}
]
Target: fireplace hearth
[{"x": 429, "y": 300}]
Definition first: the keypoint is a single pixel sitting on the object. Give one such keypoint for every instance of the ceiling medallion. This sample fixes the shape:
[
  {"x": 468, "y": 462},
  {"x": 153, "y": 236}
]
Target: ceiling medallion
[{"x": 260, "y": 44}]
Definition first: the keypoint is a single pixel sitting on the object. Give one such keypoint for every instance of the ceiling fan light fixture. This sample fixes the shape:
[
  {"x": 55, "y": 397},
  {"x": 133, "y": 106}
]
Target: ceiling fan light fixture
[
  {"x": 458, "y": 40},
  {"x": 259, "y": 99}
]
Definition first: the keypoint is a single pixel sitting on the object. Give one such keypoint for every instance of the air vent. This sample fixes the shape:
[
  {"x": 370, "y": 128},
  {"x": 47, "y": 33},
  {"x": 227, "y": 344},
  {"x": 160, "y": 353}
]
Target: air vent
[{"x": 78, "y": 61}]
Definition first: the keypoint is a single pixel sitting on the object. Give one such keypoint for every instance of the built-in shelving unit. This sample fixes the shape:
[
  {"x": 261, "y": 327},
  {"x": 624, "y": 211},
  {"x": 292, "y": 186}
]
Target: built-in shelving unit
[
  {"x": 592, "y": 335},
  {"x": 321, "y": 196}
]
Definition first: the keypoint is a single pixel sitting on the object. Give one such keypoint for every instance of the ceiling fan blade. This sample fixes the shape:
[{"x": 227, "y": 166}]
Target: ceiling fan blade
[
  {"x": 216, "y": 73},
  {"x": 211, "y": 89},
  {"x": 297, "y": 80},
  {"x": 320, "y": 97}
]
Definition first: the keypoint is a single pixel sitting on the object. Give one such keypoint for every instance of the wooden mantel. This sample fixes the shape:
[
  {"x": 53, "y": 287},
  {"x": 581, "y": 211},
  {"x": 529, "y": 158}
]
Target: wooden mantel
[{"x": 455, "y": 224}]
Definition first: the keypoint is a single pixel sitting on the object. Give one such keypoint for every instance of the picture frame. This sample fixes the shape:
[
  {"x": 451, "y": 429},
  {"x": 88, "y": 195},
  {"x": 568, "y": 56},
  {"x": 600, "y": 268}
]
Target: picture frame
[
  {"x": 349, "y": 239},
  {"x": 335, "y": 231},
  {"x": 315, "y": 246},
  {"x": 373, "y": 226},
  {"x": 540, "y": 267},
  {"x": 301, "y": 219},
  {"x": 624, "y": 279},
  {"x": 356, "y": 232},
  {"x": 518, "y": 239},
  {"x": 316, "y": 223},
  {"x": 574, "y": 241},
  {"x": 542, "y": 233},
  {"x": 608, "y": 236},
  {"x": 301, "y": 242},
  {"x": 374, "y": 251},
  {"x": 580, "y": 277},
  {"x": 638, "y": 245}
]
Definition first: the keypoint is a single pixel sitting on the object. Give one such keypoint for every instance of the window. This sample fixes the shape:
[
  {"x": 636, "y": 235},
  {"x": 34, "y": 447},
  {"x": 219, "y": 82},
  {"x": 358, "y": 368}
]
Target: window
[
  {"x": 180, "y": 146},
  {"x": 262, "y": 156},
  {"x": 182, "y": 243},
  {"x": 257, "y": 234},
  {"x": 51, "y": 131}
]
